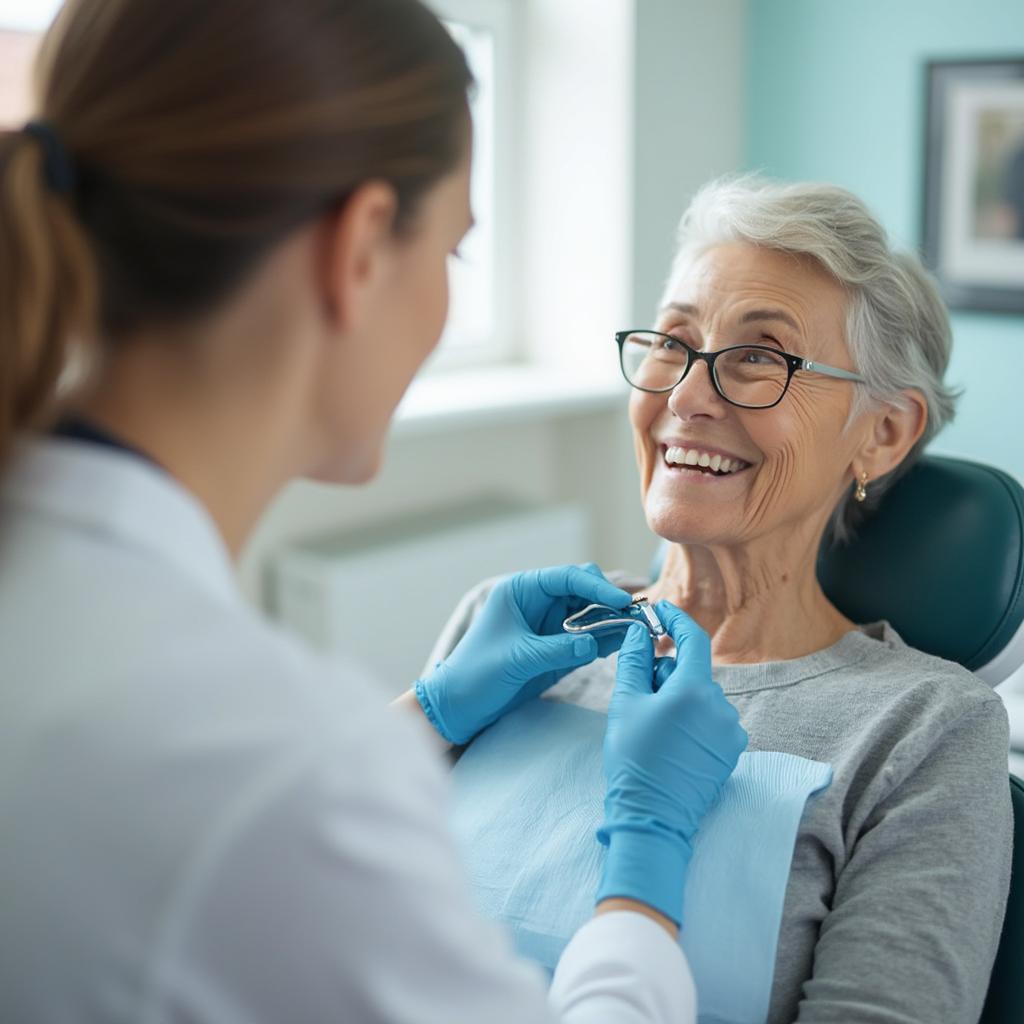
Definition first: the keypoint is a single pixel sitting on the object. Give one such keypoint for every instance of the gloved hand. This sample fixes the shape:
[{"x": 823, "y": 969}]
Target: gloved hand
[
  {"x": 672, "y": 741},
  {"x": 516, "y": 648}
]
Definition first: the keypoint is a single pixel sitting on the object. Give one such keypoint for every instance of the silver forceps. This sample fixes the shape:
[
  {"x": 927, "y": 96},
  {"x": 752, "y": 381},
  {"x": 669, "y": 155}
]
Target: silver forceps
[{"x": 599, "y": 617}]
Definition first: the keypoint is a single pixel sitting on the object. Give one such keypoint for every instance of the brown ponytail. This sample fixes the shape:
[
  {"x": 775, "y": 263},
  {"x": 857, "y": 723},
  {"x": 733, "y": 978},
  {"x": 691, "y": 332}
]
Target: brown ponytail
[
  {"x": 202, "y": 132},
  {"x": 47, "y": 292}
]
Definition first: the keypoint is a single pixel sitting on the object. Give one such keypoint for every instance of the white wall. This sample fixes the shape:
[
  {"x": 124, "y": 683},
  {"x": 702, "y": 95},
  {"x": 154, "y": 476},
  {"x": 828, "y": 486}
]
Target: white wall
[{"x": 596, "y": 239}]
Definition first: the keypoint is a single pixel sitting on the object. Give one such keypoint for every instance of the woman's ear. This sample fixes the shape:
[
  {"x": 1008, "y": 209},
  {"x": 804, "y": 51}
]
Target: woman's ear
[
  {"x": 893, "y": 431},
  {"x": 355, "y": 253}
]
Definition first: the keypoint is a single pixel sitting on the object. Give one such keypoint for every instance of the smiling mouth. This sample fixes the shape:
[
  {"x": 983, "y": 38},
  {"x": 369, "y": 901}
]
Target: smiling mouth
[{"x": 707, "y": 463}]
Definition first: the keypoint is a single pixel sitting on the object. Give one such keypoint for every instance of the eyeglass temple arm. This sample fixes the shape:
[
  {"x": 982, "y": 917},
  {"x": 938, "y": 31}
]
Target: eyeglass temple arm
[{"x": 830, "y": 371}]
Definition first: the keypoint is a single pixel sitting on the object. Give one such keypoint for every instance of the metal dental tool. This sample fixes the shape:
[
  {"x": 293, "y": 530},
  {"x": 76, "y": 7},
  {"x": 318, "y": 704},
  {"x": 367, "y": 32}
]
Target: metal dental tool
[{"x": 599, "y": 617}]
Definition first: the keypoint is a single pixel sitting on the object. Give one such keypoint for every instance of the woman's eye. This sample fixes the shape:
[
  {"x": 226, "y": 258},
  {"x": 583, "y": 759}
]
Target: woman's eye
[{"x": 672, "y": 344}]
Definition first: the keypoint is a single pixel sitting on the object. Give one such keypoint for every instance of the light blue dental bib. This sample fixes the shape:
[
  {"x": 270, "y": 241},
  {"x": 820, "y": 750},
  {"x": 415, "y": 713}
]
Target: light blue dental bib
[{"x": 528, "y": 799}]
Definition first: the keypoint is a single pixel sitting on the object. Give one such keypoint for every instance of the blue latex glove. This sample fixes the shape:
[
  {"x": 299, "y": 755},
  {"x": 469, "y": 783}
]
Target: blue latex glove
[
  {"x": 672, "y": 741},
  {"x": 516, "y": 648}
]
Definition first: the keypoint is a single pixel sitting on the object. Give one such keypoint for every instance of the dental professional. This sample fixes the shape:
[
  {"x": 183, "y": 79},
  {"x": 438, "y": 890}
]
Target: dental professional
[{"x": 223, "y": 256}]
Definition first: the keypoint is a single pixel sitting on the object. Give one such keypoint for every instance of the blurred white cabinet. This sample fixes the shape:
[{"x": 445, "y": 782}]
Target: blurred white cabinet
[{"x": 380, "y": 594}]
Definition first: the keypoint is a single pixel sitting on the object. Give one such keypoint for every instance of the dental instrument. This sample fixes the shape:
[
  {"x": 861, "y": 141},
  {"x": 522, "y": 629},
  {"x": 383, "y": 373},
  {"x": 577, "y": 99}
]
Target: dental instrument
[{"x": 598, "y": 617}]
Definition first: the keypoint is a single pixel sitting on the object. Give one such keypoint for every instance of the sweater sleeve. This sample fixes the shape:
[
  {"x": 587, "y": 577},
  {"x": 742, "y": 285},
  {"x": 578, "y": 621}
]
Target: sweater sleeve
[{"x": 917, "y": 913}]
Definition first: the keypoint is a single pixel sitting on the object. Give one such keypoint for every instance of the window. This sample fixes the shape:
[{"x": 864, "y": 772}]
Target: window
[
  {"x": 471, "y": 317},
  {"x": 482, "y": 323},
  {"x": 27, "y": 15}
]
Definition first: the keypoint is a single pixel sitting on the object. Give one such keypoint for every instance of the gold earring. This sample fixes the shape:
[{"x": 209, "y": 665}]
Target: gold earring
[{"x": 862, "y": 491}]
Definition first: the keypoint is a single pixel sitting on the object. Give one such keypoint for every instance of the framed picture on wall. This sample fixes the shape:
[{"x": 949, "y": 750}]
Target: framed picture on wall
[{"x": 973, "y": 236}]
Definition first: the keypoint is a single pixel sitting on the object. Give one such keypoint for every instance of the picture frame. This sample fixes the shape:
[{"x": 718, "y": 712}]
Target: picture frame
[{"x": 973, "y": 223}]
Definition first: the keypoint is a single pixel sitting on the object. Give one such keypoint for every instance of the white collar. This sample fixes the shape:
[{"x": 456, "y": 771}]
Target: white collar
[{"x": 122, "y": 496}]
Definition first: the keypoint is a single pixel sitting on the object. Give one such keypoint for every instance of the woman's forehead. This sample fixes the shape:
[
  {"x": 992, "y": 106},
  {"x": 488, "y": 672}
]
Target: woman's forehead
[{"x": 737, "y": 278}]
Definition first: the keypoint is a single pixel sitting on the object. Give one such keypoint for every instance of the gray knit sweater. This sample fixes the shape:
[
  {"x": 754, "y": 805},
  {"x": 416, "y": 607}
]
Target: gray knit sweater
[{"x": 901, "y": 868}]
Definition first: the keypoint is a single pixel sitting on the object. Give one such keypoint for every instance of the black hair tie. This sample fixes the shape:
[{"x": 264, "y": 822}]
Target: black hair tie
[{"x": 57, "y": 163}]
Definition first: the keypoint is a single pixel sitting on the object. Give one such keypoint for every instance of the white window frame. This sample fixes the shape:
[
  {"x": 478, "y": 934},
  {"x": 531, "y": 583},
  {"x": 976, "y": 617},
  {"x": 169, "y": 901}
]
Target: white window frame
[{"x": 502, "y": 18}]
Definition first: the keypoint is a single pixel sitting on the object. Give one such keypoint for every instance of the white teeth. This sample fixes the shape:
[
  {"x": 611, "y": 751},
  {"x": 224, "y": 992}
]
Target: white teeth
[{"x": 695, "y": 457}]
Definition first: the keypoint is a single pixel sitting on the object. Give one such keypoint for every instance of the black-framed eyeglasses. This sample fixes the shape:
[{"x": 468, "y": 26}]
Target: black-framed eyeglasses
[{"x": 750, "y": 376}]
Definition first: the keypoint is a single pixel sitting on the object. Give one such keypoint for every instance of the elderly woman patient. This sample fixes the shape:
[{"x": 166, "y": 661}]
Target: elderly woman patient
[{"x": 794, "y": 370}]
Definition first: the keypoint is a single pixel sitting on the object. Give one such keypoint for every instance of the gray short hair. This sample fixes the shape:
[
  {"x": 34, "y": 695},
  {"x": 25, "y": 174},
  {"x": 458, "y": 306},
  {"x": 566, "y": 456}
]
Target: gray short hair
[{"x": 897, "y": 326}]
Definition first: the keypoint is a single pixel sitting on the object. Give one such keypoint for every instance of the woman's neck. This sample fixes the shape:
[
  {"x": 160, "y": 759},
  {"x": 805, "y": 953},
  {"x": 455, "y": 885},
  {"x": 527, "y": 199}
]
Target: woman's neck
[
  {"x": 226, "y": 402},
  {"x": 758, "y": 602},
  {"x": 232, "y": 452}
]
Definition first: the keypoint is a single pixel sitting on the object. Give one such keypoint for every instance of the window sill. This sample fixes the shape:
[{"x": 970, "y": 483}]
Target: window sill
[{"x": 501, "y": 394}]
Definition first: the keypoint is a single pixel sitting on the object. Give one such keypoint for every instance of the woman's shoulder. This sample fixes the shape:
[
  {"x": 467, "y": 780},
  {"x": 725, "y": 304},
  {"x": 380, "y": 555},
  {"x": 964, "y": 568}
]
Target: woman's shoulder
[
  {"x": 877, "y": 708},
  {"x": 872, "y": 689},
  {"x": 890, "y": 663}
]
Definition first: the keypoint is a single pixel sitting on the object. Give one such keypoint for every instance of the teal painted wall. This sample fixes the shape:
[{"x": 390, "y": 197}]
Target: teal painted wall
[{"x": 835, "y": 92}]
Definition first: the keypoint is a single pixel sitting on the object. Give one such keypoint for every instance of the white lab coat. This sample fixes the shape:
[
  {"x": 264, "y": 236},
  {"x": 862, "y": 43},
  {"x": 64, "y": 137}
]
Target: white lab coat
[{"x": 201, "y": 821}]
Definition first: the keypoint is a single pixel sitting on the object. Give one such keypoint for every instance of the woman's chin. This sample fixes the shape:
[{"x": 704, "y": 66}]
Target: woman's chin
[
  {"x": 684, "y": 525},
  {"x": 351, "y": 469}
]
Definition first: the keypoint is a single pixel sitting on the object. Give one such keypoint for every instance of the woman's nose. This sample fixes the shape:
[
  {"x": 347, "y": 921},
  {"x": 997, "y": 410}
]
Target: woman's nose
[{"x": 695, "y": 394}]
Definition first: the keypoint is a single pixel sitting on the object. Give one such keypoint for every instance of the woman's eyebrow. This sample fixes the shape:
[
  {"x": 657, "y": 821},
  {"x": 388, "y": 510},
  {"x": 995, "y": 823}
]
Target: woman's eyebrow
[
  {"x": 679, "y": 307},
  {"x": 756, "y": 315},
  {"x": 752, "y": 316}
]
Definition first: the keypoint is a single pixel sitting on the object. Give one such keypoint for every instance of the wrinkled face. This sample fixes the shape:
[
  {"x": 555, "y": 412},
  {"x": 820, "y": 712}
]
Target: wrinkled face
[{"x": 777, "y": 468}]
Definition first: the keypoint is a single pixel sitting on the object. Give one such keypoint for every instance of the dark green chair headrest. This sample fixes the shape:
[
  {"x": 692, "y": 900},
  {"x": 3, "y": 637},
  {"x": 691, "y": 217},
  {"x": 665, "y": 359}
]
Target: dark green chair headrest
[{"x": 942, "y": 558}]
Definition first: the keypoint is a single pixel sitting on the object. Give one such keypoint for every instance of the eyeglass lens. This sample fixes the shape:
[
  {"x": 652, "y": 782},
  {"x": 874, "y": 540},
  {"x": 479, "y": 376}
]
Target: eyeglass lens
[{"x": 746, "y": 375}]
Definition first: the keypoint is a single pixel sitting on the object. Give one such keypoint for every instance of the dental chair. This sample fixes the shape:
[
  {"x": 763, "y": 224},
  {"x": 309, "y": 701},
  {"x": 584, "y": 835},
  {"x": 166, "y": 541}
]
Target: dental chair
[{"x": 943, "y": 560}]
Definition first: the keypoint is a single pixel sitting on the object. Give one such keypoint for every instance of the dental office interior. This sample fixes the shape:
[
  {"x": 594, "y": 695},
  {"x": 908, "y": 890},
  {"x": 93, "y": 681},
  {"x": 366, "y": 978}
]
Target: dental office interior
[{"x": 595, "y": 123}]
